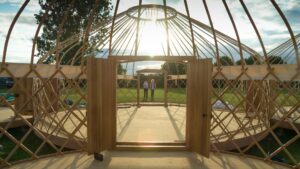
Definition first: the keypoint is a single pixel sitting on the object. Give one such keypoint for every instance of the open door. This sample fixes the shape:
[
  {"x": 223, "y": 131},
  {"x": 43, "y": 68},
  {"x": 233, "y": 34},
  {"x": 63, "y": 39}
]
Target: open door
[
  {"x": 199, "y": 106},
  {"x": 101, "y": 108}
]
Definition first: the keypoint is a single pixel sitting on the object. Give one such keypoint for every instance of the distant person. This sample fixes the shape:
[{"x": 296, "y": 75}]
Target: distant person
[
  {"x": 145, "y": 86},
  {"x": 152, "y": 87}
]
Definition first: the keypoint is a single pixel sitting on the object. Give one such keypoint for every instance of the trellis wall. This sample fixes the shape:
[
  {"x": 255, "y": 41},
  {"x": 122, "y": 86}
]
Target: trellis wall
[{"x": 250, "y": 103}]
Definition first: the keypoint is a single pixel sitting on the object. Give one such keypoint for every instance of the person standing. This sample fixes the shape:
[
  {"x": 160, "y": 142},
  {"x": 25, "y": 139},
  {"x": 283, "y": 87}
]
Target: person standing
[
  {"x": 145, "y": 86},
  {"x": 152, "y": 87}
]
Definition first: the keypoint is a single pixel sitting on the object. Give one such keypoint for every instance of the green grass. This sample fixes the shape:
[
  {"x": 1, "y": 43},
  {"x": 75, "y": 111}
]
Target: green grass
[
  {"x": 130, "y": 95},
  {"x": 32, "y": 142},
  {"x": 178, "y": 95},
  {"x": 174, "y": 95}
]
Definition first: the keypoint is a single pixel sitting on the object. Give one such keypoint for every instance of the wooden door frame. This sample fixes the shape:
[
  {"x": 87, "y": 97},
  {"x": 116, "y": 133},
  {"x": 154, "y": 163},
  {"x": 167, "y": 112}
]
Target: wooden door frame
[
  {"x": 158, "y": 146},
  {"x": 111, "y": 142}
]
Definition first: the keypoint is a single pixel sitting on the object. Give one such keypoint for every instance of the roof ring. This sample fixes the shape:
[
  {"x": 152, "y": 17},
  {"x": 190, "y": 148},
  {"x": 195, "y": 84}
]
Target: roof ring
[{"x": 151, "y": 12}]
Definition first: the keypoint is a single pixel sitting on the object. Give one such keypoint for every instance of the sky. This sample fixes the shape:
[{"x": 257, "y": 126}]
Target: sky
[{"x": 270, "y": 25}]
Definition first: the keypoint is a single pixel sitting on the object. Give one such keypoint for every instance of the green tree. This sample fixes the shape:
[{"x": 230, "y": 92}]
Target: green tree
[
  {"x": 225, "y": 61},
  {"x": 276, "y": 60},
  {"x": 78, "y": 15},
  {"x": 272, "y": 60},
  {"x": 251, "y": 60},
  {"x": 174, "y": 68},
  {"x": 121, "y": 70},
  {"x": 248, "y": 61}
]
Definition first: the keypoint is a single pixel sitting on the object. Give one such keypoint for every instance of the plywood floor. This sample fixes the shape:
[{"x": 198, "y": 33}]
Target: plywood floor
[
  {"x": 7, "y": 114},
  {"x": 148, "y": 160},
  {"x": 151, "y": 123}
]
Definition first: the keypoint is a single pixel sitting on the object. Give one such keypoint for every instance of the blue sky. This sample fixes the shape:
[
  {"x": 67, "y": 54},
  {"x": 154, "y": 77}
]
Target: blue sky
[{"x": 269, "y": 23}]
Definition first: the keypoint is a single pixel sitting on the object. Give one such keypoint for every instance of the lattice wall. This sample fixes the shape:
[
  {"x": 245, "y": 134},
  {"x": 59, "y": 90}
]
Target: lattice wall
[{"x": 43, "y": 106}]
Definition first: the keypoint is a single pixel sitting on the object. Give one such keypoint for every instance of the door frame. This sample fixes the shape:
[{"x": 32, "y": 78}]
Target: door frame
[{"x": 195, "y": 71}]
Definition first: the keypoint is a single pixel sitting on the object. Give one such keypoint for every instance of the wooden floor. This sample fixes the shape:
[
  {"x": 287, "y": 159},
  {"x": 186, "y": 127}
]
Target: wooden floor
[
  {"x": 148, "y": 160},
  {"x": 150, "y": 123},
  {"x": 7, "y": 115}
]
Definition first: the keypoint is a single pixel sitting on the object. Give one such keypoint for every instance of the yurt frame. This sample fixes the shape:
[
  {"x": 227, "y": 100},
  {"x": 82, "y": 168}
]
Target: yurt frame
[{"x": 64, "y": 130}]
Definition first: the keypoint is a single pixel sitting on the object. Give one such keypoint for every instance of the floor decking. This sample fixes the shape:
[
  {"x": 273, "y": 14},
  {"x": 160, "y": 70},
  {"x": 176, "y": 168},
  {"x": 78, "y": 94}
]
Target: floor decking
[
  {"x": 7, "y": 115},
  {"x": 147, "y": 124},
  {"x": 148, "y": 160},
  {"x": 150, "y": 123},
  {"x": 144, "y": 124}
]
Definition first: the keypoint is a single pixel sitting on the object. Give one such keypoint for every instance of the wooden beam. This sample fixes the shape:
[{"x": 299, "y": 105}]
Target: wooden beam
[
  {"x": 154, "y": 58},
  {"x": 165, "y": 88},
  {"x": 125, "y": 77},
  {"x": 284, "y": 72},
  {"x": 19, "y": 70},
  {"x": 150, "y": 71},
  {"x": 138, "y": 90},
  {"x": 176, "y": 77}
]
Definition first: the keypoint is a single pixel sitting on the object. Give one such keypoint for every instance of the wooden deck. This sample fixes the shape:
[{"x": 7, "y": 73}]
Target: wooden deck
[
  {"x": 149, "y": 124},
  {"x": 148, "y": 160},
  {"x": 7, "y": 115}
]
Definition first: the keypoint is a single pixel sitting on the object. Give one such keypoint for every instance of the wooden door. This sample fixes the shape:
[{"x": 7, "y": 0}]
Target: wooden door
[
  {"x": 199, "y": 106},
  {"x": 101, "y": 108}
]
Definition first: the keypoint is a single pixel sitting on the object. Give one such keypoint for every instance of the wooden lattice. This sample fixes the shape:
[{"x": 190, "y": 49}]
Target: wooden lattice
[{"x": 251, "y": 104}]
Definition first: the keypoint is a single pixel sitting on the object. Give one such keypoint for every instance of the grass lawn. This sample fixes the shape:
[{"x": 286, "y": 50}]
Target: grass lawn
[
  {"x": 130, "y": 95},
  {"x": 178, "y": 95}
]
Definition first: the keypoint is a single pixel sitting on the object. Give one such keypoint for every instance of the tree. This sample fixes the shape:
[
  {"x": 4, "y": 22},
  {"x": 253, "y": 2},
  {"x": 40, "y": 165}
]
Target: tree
[
  {"x": 76, "y": 22},
  {"x": 272, "y": 60},
  {"x": 276, "y": 60},
  {"x": 121, "y": 70},
  {"x": 174, "y": 68},
  {"x": 225, "y": 61},
  {"x": 249, "y": 61}
]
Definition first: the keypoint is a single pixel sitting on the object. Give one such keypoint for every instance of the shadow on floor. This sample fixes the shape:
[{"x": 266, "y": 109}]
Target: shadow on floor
[{"x": 147, "y": 160}]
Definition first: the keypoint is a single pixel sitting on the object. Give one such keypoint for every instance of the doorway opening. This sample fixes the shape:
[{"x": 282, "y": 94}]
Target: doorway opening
[
  {"x": 151, "y": 103},
  {"x": 113, "y": 109}
]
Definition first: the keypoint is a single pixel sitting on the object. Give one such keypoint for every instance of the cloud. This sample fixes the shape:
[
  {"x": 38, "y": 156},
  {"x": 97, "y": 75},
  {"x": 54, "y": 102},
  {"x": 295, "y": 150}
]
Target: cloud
[
  {"x": 149, "y": 66},
  {"x": 20, "y": 43},
  {"x": 267, "y": 19},
  {"x": 11, "y": 1},
  {"x": 32, "y": 7},
  {"x": 25, "y": 18}
]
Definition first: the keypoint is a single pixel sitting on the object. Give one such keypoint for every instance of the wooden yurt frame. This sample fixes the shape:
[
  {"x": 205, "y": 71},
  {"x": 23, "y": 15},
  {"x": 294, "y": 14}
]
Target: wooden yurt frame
[{"x": 261, "y": 79}]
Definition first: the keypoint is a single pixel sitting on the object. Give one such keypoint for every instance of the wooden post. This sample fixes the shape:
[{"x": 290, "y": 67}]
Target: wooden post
[
  {"x": 138, "y": 89},
  {"x": 21, "y": 97},
  {"x": 55, "y": 87},
  {"x": 50, "y": 92},
  {"x": 199, "y": 88},
  {"x": 254, "y": 97},
  {"x": 165, "y": 88},
  {"x": 270, "y": 90},
  {"x": 101, "y": 108}
]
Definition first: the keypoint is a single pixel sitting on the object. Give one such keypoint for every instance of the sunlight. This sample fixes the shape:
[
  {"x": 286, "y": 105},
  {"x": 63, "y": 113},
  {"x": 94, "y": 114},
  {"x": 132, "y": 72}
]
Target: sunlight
[
  {"x": 154, "y": 18},
  {"x": 152, "y": 38}
]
